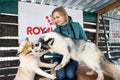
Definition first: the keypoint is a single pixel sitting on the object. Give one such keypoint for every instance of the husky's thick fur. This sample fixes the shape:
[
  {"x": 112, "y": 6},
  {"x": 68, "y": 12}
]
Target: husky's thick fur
[
  {"x": 79, "y": 50},
  {"x": 29, "y": 63}
]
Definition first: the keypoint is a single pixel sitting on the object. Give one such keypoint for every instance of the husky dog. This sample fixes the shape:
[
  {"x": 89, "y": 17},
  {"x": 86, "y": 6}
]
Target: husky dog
[
  {"x": 79, "y": 50},
  {"x": 29, "y": 63}
]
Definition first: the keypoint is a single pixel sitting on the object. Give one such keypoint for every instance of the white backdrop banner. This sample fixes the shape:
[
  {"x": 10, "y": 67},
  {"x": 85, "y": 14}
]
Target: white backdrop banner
[{"x": 35, "y": 18}]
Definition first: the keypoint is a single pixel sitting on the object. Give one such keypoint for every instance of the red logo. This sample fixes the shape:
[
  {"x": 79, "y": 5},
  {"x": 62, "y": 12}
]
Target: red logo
[{"x": 49, "y": 20}]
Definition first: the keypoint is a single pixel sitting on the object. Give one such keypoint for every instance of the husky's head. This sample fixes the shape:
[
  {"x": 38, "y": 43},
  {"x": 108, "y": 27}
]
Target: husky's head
[
  {"x": 45, "y": 44},
  {"x": 48, "y": 42},
  {"x": 25, "y": 47}
]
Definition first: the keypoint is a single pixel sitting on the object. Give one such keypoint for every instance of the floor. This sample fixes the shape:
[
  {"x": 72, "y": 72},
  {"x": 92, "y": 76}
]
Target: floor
[{"x": 81, "y": 74}]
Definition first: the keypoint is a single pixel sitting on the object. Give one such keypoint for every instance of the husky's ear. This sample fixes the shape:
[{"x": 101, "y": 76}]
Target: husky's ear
[
  {"x": 51, "y": 41},
  {"x": 40, "y": 40}
]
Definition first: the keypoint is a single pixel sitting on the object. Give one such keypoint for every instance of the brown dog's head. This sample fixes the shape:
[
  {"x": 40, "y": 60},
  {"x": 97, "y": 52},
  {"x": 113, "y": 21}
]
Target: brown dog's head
[{"x": 25, "y": 47}]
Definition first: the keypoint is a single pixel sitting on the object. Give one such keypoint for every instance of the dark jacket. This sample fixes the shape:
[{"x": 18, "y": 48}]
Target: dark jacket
[{"x": 72, "y": 30}]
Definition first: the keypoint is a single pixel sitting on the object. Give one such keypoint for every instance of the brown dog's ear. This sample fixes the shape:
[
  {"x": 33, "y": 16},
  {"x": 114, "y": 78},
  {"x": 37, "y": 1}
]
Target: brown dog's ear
[
  {"x": 51, "y": 41},
  {"x": 27, "y": 39}
]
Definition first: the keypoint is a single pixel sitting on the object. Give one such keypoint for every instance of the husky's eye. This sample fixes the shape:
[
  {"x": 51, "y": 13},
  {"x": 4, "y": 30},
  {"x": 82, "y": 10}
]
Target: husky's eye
[
  {"x": 45, "y": 47},
  {"x": 36, "y": 45}
]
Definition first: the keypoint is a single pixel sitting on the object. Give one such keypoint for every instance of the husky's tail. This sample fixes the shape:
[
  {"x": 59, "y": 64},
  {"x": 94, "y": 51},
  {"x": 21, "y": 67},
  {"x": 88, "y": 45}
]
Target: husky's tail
[{"x": 110, "y": 69}]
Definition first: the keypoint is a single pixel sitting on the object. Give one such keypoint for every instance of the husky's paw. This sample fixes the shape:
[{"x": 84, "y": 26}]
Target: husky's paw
[
  {"x": 90, "y": 73},
  {"x": 59, "y": 66}
]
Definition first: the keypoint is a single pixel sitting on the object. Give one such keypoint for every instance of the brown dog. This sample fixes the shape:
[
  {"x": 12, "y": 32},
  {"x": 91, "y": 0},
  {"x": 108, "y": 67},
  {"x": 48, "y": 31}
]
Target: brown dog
[{"x": 29, "y": 63}]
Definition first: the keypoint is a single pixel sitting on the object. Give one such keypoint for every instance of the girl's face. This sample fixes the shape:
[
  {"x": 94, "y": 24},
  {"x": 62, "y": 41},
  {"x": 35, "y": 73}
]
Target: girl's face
[{"x": 59, "y": 19}]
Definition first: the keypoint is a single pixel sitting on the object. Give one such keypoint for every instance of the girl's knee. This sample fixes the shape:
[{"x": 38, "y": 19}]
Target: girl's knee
[
  {"x": 61, "y": 76},
  {"x": 71, "y": 76}
]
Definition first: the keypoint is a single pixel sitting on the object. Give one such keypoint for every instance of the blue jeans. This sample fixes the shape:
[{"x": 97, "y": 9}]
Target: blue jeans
[{"x": 68, "y": 72}]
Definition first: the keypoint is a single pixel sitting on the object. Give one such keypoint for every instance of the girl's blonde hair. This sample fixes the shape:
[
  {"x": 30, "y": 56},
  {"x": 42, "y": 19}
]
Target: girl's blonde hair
[{"x": 62, "y": 11}]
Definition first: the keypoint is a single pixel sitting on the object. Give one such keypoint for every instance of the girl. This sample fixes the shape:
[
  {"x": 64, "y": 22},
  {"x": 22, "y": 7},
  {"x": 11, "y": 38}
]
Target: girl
[{"x": 67, "y": 27}]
